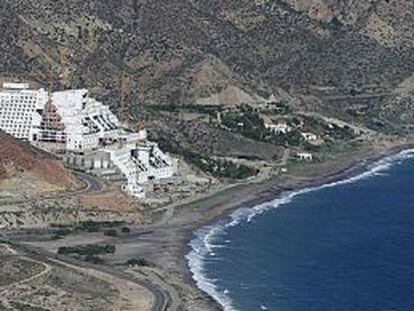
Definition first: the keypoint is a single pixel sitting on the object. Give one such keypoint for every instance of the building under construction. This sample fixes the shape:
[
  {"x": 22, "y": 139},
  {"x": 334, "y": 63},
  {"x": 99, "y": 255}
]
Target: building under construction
[{"x": 72, "y": 122}]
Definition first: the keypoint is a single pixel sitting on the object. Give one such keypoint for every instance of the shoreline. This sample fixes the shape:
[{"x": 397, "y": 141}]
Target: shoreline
[
  {"x": 166, "y": 242},
  {"x": 356, "y": 167}
]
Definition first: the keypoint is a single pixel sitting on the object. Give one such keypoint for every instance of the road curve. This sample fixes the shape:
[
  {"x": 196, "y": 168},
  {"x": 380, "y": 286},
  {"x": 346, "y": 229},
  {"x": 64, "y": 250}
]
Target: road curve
[
  {"x": 93, "y": 184},
  {"x": 161, "y": 297}
]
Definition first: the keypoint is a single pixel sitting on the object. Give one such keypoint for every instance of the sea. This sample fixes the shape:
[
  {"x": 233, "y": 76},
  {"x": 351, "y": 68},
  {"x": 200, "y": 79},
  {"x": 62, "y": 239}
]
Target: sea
[{"x": 347, "y": 245}]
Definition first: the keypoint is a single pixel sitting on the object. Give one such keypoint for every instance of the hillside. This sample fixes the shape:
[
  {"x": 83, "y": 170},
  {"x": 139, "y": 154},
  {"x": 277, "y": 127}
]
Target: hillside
[
  {"x": 24, "y": 169},
  {"x": 180, "y": 51},
  {"x": 351, "y": 60},
  {"x": 386, "y": 22}
]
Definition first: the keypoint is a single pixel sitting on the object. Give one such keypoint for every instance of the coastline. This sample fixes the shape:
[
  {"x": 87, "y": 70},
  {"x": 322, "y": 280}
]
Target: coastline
[
  {"x": 270, "y": 192},
  {"x": 166, "y": 242}
]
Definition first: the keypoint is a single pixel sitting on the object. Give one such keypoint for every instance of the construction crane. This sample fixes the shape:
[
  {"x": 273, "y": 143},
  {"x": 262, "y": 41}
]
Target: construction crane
[
  {"x": 49, "y": 80},
  {"x": 63, "y": 77},
  {"x": 125, "y": 97},
  {"x": 138, "y": 121}
]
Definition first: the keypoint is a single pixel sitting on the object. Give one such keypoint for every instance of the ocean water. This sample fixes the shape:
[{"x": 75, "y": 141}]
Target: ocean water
[{"x": 343, "y": 246}]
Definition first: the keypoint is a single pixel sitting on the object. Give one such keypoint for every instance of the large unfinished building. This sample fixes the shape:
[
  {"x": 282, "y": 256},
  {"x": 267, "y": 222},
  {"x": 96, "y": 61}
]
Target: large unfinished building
[
  {"x": 19, "y": 110},
  {"x": 71, "y": 122}
]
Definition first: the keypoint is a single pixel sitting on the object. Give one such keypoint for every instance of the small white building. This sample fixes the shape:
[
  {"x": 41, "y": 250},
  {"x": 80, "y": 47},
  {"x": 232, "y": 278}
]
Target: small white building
[
  {"x": 304, "y": 156},
  {"x": 279, "y": 128},
  {"x": 309, "y": 136}
]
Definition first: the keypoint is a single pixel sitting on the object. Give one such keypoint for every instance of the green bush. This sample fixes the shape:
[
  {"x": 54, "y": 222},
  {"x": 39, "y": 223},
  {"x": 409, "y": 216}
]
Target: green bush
[
  {"x": 88, "y": 250},
  {"x": 96, "y": 226},
  {"x": 218, "y": 168},
  {"x": 125, "y": 230},
  {"x": 93, "y": 259},
  {"x": 142, "y": 262},
  {"x": 111, "y": 232}
]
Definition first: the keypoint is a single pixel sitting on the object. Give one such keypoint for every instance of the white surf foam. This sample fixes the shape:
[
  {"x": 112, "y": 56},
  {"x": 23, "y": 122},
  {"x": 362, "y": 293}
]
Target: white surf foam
[{"x": 203, "y": 245}]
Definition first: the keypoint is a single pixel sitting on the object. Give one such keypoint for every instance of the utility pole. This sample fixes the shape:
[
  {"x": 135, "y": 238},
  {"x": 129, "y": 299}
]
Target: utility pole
[{"x": 125, "y": 97}]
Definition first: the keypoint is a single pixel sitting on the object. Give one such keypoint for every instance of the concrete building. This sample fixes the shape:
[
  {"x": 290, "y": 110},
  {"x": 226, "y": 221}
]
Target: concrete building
[
  {"x": 82, "y": 129},
  {"x": 88, "y": 123},
  {"x": 20, "y": 110}
]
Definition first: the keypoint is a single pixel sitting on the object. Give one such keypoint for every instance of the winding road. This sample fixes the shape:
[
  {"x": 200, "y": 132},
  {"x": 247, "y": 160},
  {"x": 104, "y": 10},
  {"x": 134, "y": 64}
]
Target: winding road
[{"x": 162, "y": 299}]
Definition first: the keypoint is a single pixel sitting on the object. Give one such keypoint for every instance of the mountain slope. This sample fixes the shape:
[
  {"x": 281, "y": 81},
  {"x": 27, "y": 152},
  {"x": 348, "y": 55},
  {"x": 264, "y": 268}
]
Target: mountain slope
[
  {"x": 157, "y": 41},
  {"x": 30, "y": 170},
  {"x": 215, "y": 52}
]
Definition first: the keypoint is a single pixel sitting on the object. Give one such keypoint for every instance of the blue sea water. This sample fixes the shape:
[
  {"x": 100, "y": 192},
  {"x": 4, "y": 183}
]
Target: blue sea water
[{"x": 343, "y": 246}]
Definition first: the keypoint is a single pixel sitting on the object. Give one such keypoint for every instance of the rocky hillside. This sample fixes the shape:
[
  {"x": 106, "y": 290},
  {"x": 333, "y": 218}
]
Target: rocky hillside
[
  {"x": 30, "y": 170},
  {"x": 331, "y": 55},
  {"x": 388, "y": 22}
]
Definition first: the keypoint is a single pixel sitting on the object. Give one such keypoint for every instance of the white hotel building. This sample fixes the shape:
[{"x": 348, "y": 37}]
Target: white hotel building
[
  {"x": 74, "y": 122},
  {"x": 19, "y": 109}
]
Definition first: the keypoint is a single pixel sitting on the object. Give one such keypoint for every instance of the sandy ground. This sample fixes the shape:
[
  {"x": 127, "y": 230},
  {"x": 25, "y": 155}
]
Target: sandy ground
[
  {"x": 132, "y": 297},
  {"x": 54, "y": 277}
]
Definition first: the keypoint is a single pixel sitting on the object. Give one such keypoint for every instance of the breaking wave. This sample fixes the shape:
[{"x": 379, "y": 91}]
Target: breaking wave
[{"x": 206, "y": 239}]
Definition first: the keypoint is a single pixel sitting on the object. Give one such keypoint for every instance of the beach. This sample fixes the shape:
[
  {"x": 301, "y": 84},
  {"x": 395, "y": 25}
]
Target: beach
[
  {"x": 180, "y": 228},
  {"x": 343, "y": 245}
]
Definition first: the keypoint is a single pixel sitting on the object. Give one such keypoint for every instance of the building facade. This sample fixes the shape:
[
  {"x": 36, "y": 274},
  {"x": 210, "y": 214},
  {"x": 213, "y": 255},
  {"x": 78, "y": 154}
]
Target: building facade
[{"x": 20, "y": 110}]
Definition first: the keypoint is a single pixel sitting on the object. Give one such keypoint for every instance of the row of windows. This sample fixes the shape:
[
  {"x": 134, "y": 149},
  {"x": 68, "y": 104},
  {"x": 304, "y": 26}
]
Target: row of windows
[
  {"x": 19, "y": 102},
  {"x": 17, "y": 97},
  {"x": 8, "y": 105},
  {"x": 14, "y": 107},
  {"x": 13, "y": 122},
  {"x": 15, "y": 126},
  {"x": 3, "y": 122},
  {"x": 11, "y": 109},
  {"x": 14, "y": 115}
]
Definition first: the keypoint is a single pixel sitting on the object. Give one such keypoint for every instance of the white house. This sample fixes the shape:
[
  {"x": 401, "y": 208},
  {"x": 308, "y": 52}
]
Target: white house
[
  {"x": 309, "y": 136},
  {"x": 280, "y": 128},
  {"x": 304, "y": 156}
]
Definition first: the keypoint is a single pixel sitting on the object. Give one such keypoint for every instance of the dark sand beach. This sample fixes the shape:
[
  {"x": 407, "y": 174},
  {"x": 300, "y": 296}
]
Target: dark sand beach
[{"x": 178, "y": 231}]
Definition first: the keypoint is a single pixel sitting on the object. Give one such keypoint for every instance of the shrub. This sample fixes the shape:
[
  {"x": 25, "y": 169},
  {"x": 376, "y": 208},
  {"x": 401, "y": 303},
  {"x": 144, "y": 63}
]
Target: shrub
[
  {"x": 125, "y": 230},
  {"x": 111, "y": 232},
  {"x": 142, "y": 262},
  {"x": 91, "y": 249},
  {"x": 94, "y": 259}
]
